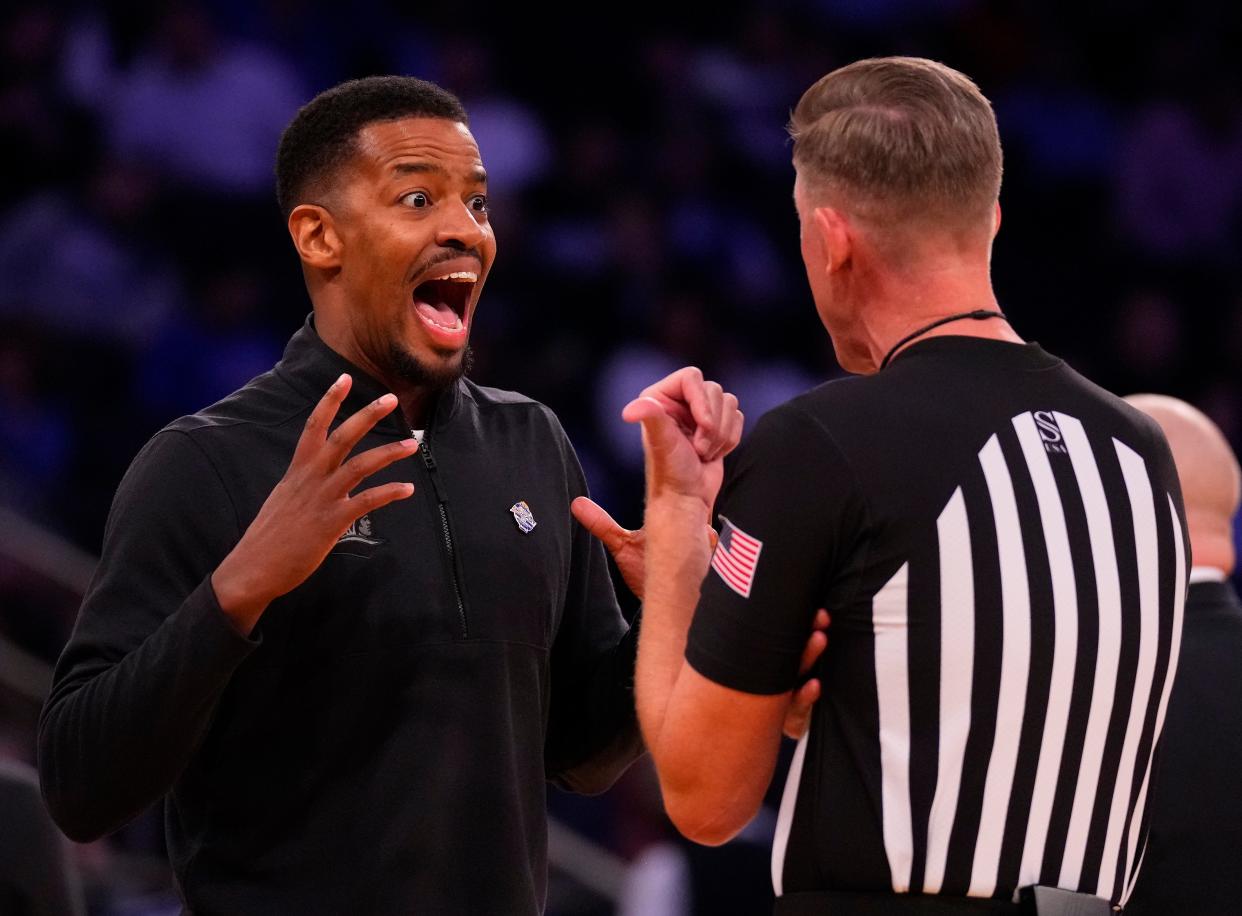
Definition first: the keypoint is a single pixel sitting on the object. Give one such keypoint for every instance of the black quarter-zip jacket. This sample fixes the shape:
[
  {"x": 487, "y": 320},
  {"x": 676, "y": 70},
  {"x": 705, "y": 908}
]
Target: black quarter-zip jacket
[{"x": 380, "y": 743}]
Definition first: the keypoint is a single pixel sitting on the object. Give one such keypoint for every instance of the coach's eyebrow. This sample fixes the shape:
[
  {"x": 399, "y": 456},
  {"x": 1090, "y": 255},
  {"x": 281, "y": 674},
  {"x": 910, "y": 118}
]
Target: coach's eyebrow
[
  {"x": 418, "y": 168},
  {"x": 475, "y": 176}
]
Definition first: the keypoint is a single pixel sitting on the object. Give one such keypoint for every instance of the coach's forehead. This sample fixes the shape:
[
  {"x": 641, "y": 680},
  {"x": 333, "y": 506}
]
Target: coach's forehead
[{"x": 407, "y": 143}]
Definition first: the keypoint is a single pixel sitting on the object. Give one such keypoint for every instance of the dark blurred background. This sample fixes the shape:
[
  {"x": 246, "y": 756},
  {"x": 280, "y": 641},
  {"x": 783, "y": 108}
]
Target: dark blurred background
[{"x": 641, "y": 191}]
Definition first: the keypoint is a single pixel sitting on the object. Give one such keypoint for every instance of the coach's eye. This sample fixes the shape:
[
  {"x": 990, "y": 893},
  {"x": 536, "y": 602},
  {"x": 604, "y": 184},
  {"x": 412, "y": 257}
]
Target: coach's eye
[
  {"x": 479, "y": 204},
  {"x": 417, "y": 199}
]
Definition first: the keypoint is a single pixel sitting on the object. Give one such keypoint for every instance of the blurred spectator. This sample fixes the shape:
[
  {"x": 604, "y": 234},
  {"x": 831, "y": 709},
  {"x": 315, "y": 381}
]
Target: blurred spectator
[
  {"x": 1179, "y": 187},
  {"x": 36, "y": 436},
  {"x": 201, "y": 108},
  {"x": 509, "y": 132},
  {"x": 84, "y": 261},
  {"x": 210, "y": 350}
]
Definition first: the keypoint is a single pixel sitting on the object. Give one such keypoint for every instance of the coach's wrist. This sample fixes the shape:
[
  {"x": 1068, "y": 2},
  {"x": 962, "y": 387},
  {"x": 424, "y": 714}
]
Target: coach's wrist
[{"x": 242, "y": 602}]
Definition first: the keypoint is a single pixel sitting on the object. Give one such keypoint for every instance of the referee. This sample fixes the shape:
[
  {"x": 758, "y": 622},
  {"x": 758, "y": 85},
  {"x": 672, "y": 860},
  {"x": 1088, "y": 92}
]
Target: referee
[{"x": 1000, "y": 543}]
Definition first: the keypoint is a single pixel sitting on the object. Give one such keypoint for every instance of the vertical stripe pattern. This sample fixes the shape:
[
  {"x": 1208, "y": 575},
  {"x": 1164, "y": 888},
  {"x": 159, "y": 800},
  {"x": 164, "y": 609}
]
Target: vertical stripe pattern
[
  {"x": 1179, "y": 610},
  {"x": 1065, "y": 645},
  {"x": 1062, "y": 499},
  {"x": 1143, "y": 511},
  {"x": 889, "y": 620},
  {"x": 1108, "y": 591},
  {"x": 784, "y": 820},
  {"x": 957, "y": 650},
  {"x": 1015, "y": 661}
]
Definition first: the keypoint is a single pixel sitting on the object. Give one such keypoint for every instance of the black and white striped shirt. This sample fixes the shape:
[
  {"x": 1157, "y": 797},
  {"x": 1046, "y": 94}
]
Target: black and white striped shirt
[{"x": 1001, "y": 546}]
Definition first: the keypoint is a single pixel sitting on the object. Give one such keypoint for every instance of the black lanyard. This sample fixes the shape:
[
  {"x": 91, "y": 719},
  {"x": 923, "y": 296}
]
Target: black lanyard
[{"x": 977, "y": 315}]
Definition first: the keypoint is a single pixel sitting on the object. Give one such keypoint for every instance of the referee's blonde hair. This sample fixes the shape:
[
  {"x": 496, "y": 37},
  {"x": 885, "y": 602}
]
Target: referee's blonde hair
[{"x": 897, "y": 140}]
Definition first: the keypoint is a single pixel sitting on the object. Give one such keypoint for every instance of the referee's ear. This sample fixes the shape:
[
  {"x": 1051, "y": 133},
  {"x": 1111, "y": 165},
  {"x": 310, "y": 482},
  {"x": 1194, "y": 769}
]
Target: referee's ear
[{"x": 831, "y": 239}]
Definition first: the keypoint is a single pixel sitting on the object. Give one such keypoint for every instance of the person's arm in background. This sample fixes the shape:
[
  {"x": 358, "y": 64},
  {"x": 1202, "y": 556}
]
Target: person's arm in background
[
  {"x": 712, "y": 715},
  {"x": 168, "y": 617}
]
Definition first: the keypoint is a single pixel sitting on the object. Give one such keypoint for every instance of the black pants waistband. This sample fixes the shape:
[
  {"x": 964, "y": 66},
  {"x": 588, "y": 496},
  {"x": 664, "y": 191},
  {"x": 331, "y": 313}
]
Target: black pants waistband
[{"x": 850, "y": 903}]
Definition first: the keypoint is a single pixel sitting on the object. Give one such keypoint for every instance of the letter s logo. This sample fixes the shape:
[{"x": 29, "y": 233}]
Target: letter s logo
[{"x": 1048, "y": 429}]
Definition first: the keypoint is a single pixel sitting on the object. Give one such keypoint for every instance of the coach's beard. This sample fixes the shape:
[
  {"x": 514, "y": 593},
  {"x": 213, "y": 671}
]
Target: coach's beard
[{"x": 407, "y": 367}]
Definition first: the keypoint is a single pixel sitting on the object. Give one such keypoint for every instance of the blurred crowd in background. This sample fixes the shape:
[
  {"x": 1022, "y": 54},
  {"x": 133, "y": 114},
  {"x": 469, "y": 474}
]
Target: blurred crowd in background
[{"x": 641, "y": 195}]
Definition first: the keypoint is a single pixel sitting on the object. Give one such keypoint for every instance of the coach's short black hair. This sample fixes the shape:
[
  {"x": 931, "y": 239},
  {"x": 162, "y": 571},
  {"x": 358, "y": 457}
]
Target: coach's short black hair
[{"x": 321, "y": 136}]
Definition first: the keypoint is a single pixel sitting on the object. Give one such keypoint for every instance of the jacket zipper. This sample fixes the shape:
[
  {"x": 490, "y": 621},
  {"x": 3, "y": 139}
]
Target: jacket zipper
[{"x": 430, "y": 462}]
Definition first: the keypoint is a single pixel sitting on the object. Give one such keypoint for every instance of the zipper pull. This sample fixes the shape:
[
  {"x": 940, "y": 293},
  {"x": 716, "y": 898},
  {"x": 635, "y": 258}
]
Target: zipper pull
[{"x": 425, "y": 448}]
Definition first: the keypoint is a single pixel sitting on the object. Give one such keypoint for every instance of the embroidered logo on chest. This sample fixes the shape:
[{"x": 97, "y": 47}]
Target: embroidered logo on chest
[
  {"x": 361, "y": 531},
  {"x": 523, "y": 516}
]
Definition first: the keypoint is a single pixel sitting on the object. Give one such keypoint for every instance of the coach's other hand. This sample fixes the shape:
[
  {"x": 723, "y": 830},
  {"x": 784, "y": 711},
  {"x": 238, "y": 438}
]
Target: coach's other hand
[{"x": 310, "y": 508}]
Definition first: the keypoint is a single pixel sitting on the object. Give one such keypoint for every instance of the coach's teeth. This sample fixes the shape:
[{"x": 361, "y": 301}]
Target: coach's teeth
[{"x": 460, "y": 276}]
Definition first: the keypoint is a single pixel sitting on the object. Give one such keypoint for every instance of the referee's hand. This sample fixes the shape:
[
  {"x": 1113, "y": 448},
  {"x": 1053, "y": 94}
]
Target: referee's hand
[
  {"x": 689, "y": 425},
  {"x": 310, "y": 508},
  {"x": 798, "y": 716}
]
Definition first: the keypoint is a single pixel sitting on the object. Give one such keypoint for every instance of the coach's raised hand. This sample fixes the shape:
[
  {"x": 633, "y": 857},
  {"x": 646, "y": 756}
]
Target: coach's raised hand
[{"x": 310, "y": 508}]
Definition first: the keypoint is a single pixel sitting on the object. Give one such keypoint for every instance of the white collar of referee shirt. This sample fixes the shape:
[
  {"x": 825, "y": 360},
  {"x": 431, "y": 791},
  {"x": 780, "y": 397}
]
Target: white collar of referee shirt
[{"x": 1206, "y": 574}]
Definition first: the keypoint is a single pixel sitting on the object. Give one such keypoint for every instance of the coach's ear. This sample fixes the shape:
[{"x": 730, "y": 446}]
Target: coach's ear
[
  {"x": 832, "y": 238},
  {"x": 315, "y": 237}
]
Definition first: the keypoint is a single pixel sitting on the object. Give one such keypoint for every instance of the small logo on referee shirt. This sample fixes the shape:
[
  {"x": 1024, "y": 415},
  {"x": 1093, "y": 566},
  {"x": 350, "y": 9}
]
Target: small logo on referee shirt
[
  {"x": 523, "y": 516},
  {"x": 1049, "y": 432},
  {"x": 736, "y": 557}
]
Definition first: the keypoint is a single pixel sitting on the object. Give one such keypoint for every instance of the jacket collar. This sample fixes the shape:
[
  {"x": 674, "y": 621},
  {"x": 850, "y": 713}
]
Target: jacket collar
[{"x": 311, "y": 366}]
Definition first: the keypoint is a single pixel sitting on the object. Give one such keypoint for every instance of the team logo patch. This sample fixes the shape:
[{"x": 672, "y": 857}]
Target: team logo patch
[
  {"x": 736, "y": 557},
  {"x": 523, "y": 516},
  {"x": 361, "y": 531}
]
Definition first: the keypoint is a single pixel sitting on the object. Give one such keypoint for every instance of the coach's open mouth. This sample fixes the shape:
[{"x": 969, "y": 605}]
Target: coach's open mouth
[{"x": 442, "y": 301}]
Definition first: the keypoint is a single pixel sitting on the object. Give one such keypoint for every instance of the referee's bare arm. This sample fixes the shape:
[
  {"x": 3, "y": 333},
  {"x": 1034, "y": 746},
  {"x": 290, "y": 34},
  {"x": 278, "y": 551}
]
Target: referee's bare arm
[{"x": 714, "y": 748}]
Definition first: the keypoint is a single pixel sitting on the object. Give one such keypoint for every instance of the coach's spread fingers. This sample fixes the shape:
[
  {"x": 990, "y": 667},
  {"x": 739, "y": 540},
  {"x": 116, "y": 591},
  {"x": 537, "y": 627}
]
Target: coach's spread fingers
[
  {"x": 363, "y": 465},
  {"x": 350, "y": 432},
  {"x": 315, "y": 433}
]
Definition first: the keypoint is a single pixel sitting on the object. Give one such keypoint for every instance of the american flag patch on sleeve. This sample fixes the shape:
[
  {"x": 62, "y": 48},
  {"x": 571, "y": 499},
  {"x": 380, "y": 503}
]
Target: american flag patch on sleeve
[{"x": 736, "y": 556}]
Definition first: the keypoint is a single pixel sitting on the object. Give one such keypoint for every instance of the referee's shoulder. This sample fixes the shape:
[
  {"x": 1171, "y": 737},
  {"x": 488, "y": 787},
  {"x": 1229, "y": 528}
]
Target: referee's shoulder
[
  {"x": 1132, "y": 423},
  {"x": 820, "y": 414},
  {"x": 839, "y": 398}
]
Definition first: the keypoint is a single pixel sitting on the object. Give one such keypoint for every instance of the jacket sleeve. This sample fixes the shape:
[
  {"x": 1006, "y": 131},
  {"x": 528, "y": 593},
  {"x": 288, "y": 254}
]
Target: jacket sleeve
[
  {"x": 593, "y": 731},
  {"x": 151, "y": 653}
]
